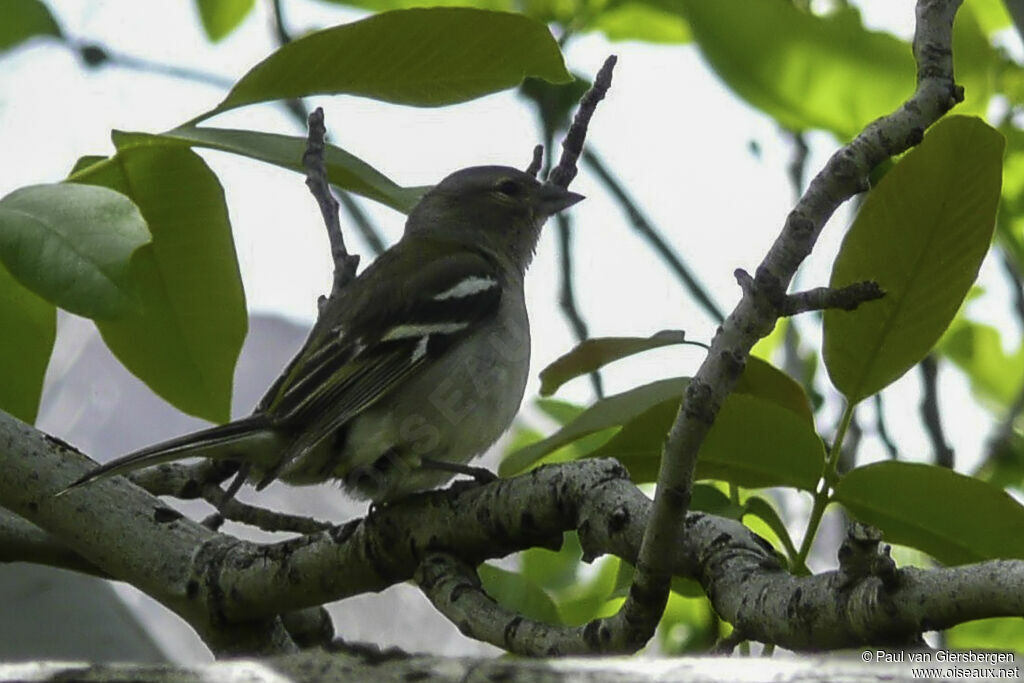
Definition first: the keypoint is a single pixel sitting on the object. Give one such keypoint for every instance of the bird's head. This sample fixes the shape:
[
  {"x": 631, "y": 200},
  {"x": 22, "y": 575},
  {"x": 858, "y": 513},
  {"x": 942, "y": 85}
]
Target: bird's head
[{"x": 498, "y": 208}]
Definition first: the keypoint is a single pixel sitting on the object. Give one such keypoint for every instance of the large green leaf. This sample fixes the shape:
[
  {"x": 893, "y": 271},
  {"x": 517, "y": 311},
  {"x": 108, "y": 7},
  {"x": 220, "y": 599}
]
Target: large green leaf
[
  {"x": 763, "y": 436},
  {"x": 387, "y": 5},
  {"x": 221, "y": 17},
  {"x": 921, "y": 235},
  {"x": 1003, "y": 634},
  {"x": 23, "y": 19},
  {"x": 605, "y": 413},
  {"x": 977, "y": 349},
  {"x": 424, "y": 57},
  {"x": 29, "y": 327},
  {"x": 517, "y": 593},
  {"x": 954, "y": 518},
  {"x": 991, "y": 14},
  {"x": 804, "y": 70},
  {"x": 343, "y": 169},
  {"x": 651, "y": 21},
  {"x": 591, "y": 354},
  {"x": 754, "y": 442},
  {"x": 72, "y": 245},
  {"x": 185, "y": 340}
]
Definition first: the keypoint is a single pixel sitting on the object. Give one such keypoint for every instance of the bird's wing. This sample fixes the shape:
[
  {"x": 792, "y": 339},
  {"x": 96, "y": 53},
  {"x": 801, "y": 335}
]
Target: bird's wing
[{"x": 442, "y": 298}]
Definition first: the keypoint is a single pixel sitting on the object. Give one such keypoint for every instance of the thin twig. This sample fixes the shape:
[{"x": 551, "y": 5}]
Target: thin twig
[
  {"x": 567, "y": 295},
  {"x": 96, "y": 55},
  {"x": 572, "y": 146},
  {"x": 930, "y": 416},
  {"x": 797, "y": 166},
  {"x": 316, "y": 179},
  {"x": 820, "y": 298},
  {"x": 537, "y": 161},
  {"x": 361, "y": 221},
  {"x": 261, "y": 518},
  {"x": 650, "y": 234},
  {"x": 881, "y": 430},
  {"x": 297, "y": 108}
]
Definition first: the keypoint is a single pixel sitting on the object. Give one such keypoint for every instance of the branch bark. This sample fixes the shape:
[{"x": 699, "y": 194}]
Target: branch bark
[{"x": 232, "y": 591}]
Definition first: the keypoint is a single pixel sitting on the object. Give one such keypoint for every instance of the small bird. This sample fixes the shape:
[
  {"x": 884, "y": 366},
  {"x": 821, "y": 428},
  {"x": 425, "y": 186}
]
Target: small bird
[{"x": 424, "y": 366}]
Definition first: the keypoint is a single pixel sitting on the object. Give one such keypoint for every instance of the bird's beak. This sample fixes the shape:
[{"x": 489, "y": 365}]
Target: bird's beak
[{"x": 553, "y": 199}]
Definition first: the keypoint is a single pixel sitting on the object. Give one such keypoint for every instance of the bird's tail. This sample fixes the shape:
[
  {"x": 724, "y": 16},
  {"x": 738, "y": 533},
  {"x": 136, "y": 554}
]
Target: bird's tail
[{"x": 236, "y": 439}]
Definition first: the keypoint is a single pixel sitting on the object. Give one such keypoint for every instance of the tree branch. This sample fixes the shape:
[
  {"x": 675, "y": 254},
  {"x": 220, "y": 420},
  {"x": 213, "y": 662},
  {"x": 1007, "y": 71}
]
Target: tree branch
[
  {"x": 845, "y": 174},
  {"x": 231, "y": 590}
]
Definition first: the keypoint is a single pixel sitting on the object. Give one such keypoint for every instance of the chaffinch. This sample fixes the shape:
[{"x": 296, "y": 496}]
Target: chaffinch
[{"x": 424, "y": 367}]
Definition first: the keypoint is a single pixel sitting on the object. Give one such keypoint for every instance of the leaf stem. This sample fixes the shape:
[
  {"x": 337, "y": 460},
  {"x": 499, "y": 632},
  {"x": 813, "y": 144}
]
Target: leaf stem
[{"x": 823, "y": 496}]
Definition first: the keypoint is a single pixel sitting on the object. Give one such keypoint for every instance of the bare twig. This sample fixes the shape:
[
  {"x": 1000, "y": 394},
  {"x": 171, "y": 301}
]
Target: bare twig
[
  {"x": 797, "y": 166},
  {"x": 567, "y": 295},
  {"x": 572, "y": 146},
  {"x": 818, "y": 299},
  {"x": 930, "y": 416},
  {"x": 561, "y": 176},
  {"x": 96, "y": 55},
  {"x": 261, "y": 518},
  {"x": 881, "y": 430},
  {"x": 316, "y": 179},
  {"x": 300, "y": 112},
  {"x": 537, "y": 162},
  {"x": 650, "y": 234}
]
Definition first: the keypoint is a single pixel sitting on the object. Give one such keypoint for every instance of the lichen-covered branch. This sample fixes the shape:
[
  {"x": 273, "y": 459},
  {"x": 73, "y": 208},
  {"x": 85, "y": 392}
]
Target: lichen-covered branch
[{"x": 231, "y": 590}]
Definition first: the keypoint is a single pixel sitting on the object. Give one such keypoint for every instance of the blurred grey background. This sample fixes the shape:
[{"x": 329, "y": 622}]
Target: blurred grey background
[{"x": 94, "y": 403}]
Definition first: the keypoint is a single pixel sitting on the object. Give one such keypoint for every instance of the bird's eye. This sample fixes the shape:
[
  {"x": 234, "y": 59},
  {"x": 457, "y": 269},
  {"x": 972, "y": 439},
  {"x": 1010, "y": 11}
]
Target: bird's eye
[{"x": 509, "y": 188}]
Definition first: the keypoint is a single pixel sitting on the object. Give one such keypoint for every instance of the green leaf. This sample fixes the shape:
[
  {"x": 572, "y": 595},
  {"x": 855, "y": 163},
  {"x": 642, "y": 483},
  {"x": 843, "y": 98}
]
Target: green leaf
[
  {"x": 85, "y": 162},
  {"x": 1004, "y": 634},
  {"x": 688, "y": 625},
  {"x": 562, "y": 412},
  {"x": 221, "y": 17},
  {"x": 763, "y": 436},
  {"x": 607, "y": 412},
  {"x": 761, "y": 378},
  {"x": 515, "y": 592},
  {"x": 591, "y": 354},
  {"x": 423, "y": 57},
  {"x": 977, "y": 349},
  {"x": 991, "y": 14},
  {"x": 707, "y": 498},
  {"x": 29, "y": 327},
  {"x": 23, "y": 19},
  {"x": 186, "y": 339},
  {"x": 921, "y": 235},
  {"x": 386, "y": 5},
  {"x": 343, "y": 169},
  {"x": 954, "y": 518},
  {"x": 754, "y": 442},
  {"x": 585, "y": 599},
  {"x": 765, "y": 511},
  {"x": 72, "y": 245},
  {"x": 805, "y": 71},
  {"x": 643, "y": 20},
  {"x": 554, "y": 570},
  {"x": 978, "y": 65}
]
